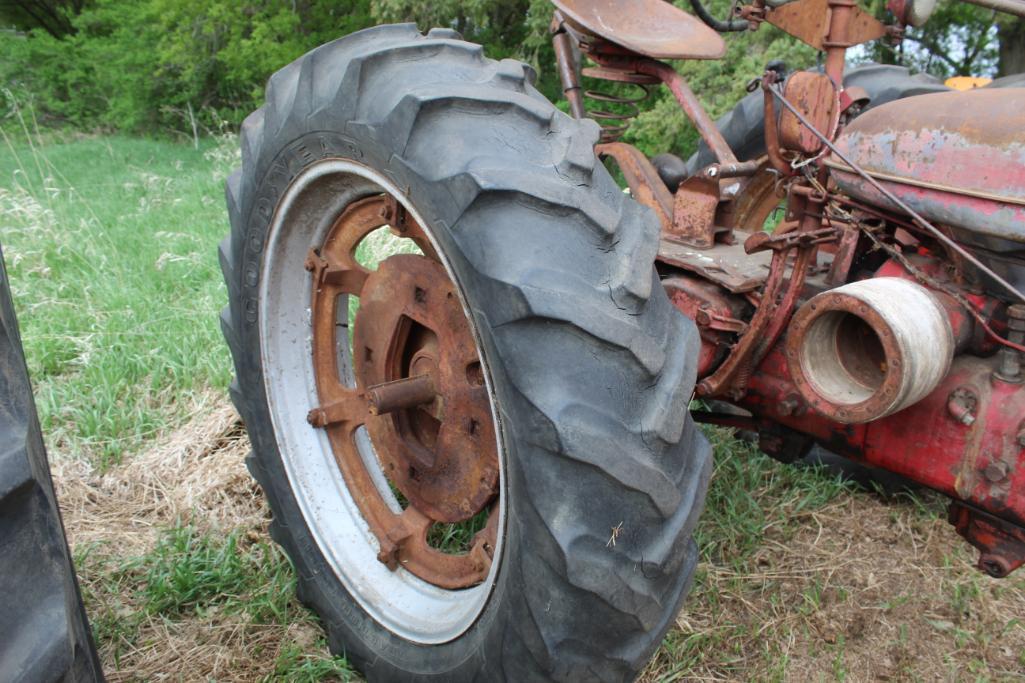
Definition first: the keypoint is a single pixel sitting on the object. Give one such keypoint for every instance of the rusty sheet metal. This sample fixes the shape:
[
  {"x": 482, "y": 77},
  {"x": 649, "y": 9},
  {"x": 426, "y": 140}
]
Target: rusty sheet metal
[
  {"x": 807, "y": 20},
  {"x": 694, "y": 213},
  {"x": 818, "y": 99},
  {"x": 726, "y": 264},
  {"x": 957, "y": 158},
  {"x": 653, "y": 28}
]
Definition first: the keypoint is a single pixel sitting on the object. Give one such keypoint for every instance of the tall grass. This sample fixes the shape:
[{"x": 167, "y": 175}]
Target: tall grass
[{"x": 111, "y": 248}]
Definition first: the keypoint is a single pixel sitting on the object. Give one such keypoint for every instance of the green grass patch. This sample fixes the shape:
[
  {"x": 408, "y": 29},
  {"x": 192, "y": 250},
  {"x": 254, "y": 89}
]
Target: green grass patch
[
  {"x": 294, "y": 663},
  {"x": 111, "y": 245}
]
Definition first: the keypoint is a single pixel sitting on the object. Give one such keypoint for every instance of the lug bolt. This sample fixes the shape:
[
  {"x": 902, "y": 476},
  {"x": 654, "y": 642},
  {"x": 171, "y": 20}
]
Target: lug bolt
[{"x": 996, "y": 472}]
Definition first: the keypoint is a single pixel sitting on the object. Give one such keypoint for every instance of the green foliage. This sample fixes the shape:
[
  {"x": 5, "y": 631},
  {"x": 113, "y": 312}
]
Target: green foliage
[
  {"x": 507, "y": 28},
  {"x": 296, "y": 665},
  {"x": 718, "y": 84},
  {"x": 188, "y": 571},
  {"x": 191, "y": 66},
  {"x": 959, "y": 40},
  {"x": 169, "y": 64}
]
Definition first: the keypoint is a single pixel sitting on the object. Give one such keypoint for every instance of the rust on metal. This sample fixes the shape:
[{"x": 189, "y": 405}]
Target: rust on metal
[
  {"x": 1011, "y": 368},
  {"x": 440, "y": 455},
  {"x": 957, "y": 158},
  {"x": 691, "y": 106},
  {"x": 653, "y": 28},
  {"x": 808, "y": 21},
  {"x": 408, "y": 392},
  {"x": 843, "y": 259},
  {"x": 419, "y": 394},
  {"x": 694, "y": 211},
  {"x": 785, "y": 238},
  {"x": 569, "y": 67},
  {"x": 718, "y": 315},
  {"x": 773, "y": 146},
  {"x": 631, "y": 77},
  {"x": 773, "y": 313},
  {"x": 1001, "y": 544},
  {"x": 725, "y": 264},
  {"x": 642, "y": 179},
  {"x": 815, "y": 95}
]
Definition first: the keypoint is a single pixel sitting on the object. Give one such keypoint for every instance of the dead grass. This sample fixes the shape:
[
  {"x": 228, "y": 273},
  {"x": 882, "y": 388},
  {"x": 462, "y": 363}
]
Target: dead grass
[
  {"x": 194, "y": 477},
  {"x": 858, "y": 589}
]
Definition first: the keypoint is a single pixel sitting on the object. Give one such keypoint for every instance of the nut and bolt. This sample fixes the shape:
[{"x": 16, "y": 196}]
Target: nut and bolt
[
  {"x": 996, "y": 472},
  {"x": 961, "y": 404},
  {"x": 1010, "y": 368}
]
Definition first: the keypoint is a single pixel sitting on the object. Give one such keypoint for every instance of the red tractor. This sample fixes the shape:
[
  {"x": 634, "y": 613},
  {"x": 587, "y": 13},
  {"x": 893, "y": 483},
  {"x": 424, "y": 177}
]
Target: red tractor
[{"x": 480, "y": 451}]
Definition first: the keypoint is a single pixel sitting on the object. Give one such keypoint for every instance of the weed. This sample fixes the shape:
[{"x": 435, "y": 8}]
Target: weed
[{"x": 296, "y": 664}]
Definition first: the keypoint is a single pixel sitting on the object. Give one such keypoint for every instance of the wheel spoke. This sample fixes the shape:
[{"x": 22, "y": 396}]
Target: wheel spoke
[{"x": 351, "y": 409}]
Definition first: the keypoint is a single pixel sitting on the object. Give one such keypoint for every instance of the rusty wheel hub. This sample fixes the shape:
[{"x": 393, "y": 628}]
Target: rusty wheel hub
[{"x": 419, "y": 395}]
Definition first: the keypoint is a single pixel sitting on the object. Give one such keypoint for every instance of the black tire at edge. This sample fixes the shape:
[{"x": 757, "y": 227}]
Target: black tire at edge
[
  {"x": 591, "y": 365},
  {"x": 44, "y": 633}
]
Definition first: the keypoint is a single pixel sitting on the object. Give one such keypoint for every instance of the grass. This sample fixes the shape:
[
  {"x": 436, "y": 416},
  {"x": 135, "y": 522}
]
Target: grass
[
  {"x": 201, "y": 579},
  {"x": 111, "y": 245}
]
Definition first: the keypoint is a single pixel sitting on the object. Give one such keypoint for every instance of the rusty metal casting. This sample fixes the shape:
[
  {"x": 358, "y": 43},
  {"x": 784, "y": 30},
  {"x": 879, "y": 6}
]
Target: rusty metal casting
[
  {"x": 642, "y": 179},
  {"x": 653, "y": 28},
  {"x": 1001, "y": 545},
  {"x": 419, "y": 393}
]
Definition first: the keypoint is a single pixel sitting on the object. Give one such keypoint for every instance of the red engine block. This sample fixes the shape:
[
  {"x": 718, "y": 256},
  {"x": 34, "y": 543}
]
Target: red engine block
[{"x": 965, "y": 439}]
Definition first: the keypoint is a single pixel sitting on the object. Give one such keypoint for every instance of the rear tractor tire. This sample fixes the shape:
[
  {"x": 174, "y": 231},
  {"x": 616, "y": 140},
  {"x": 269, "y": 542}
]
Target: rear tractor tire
[{"x": 478, "y": 455}]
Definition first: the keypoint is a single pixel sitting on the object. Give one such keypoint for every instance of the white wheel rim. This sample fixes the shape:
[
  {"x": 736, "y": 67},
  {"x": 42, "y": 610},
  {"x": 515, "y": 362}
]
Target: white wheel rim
[{"x": 398, "y": 600}]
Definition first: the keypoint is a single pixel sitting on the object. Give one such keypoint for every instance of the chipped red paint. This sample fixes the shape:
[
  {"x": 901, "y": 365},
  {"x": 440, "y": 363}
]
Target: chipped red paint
[
  {"x": 957, "y": 158},
  {"x": 966, "y": 439}
]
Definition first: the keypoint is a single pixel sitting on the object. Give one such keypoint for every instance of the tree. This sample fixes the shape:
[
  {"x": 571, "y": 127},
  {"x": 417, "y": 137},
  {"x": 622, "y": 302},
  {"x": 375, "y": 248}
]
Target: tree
[
  {"x": 1011, "y": 54},
  {"x": 53, "y": 16}
]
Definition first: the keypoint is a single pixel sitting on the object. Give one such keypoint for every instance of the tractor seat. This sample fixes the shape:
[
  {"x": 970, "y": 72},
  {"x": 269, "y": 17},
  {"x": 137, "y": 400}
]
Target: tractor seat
[{"x": 652, "y": 28}]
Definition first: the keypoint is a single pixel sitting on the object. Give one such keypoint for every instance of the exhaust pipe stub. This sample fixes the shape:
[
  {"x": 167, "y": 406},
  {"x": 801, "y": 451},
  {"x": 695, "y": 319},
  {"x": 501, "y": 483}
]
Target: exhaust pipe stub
[{"x": 869, "y": 348}]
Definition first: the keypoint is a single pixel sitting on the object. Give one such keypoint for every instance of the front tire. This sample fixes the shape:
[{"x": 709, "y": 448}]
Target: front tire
[{"x": 588, "y": 366}]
